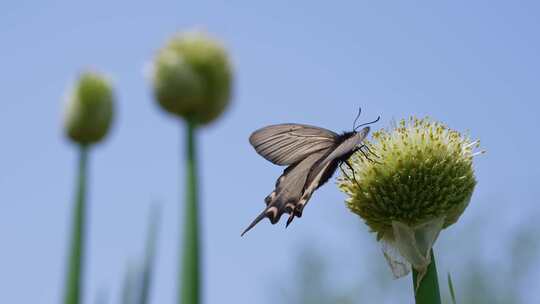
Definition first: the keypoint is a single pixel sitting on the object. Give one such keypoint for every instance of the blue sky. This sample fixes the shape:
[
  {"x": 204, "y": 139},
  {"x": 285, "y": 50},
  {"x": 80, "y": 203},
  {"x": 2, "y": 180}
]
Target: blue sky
[{"x": 471, "y": 65}]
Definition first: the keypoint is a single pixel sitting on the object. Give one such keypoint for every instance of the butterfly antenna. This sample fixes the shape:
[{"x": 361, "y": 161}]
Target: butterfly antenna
[
  {"x": 347, "y": 175},
  {"x": 368, "y": 123},
  {"x": 255, "y": 221},
  {"x": 357, "y": 116}
]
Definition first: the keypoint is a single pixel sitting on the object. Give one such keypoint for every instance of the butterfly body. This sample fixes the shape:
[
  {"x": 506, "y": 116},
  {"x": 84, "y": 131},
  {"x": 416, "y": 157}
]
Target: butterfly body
[{"x": 311, "y": 154}]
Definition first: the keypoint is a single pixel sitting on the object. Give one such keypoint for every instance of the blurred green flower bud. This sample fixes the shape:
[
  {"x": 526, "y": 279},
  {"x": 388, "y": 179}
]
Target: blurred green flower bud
[
  {"x": 90, "y": 109},
  {"x": 420, "y": 182},
  {"x": 192, "y": 77}
]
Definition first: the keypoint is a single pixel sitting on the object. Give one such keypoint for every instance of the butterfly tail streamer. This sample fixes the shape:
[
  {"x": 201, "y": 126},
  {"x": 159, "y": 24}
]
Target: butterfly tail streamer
[
  {"x": 255, "y": 222},
  {"x": 273, "y": 214}
]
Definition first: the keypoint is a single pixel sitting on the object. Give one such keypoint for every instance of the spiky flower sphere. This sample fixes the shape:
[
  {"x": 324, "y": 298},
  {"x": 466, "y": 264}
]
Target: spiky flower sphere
[
  {"x": 422, "y": 173},
  {"x": 192, "y": 77},
  {"x": 90, "y": 107}
]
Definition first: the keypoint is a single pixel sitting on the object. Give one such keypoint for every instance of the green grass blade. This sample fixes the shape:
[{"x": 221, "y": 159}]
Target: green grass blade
[
  {"x": 189, "y": 273},
  {"x": 428, "y": 290},
  {"x": 129, "y": 285},
  {"x": 451, "y": 288},
  {"x": 73, "y": 280},
  {"x": 150, "y": 252}
]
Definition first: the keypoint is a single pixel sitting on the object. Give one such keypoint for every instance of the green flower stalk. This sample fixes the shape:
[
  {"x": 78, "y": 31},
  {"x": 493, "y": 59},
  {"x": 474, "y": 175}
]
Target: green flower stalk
[
  {"x": 88, "y": 119},
  {"x": 420, "y": 183},
  {"x": 192, "y": 80}
]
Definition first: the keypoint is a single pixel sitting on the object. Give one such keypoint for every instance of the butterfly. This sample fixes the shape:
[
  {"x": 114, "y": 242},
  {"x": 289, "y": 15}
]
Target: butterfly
[{"x": 311, "y": 154}]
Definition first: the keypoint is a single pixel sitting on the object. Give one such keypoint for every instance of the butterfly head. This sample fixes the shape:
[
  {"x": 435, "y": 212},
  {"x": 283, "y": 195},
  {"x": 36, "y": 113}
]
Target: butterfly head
[{"x": 362, "y": 133}]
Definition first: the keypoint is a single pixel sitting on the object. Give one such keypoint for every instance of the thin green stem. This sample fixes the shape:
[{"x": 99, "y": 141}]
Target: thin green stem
[
  {"x": 149, "y": 256},
  {"x": 129, "y": 285},
  {"x": 73, "y": 283},
  {"x": 451, "y": 288},
  {"x": 428, "y": 291},
  {"x": 190, "y": 272}
]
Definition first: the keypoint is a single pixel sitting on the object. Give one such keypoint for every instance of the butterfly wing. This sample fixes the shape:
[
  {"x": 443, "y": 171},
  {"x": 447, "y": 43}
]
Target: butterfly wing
[
  {"x": 288, "y": 191},
  {"x": 298, "y": 181},
  {"x": 286, "y": 144}
]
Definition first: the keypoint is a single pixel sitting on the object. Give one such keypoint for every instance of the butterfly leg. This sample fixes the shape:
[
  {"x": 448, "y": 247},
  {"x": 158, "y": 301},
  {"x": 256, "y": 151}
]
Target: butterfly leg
[
  {"x": 352, "y": 170},
  {"x": 369, "y": 150},
  {"x": 367, "y": 156},
  {"x": 345, "y": 172}
]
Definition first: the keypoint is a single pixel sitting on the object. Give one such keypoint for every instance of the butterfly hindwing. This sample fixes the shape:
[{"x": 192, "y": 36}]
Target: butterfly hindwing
[{"x": 288, "y": 191}]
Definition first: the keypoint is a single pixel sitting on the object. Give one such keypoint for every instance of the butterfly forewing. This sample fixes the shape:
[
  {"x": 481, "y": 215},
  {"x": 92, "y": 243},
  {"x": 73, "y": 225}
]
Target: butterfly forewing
[{"x": 286, "y": 144}]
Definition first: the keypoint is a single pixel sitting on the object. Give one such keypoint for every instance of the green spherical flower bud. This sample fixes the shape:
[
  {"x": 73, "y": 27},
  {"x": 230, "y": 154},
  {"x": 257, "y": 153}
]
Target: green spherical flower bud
[
  {"x": 90, "y": 109},
  {"x": 192, "y": 77},
  {"x": 419, "y": 181}
]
